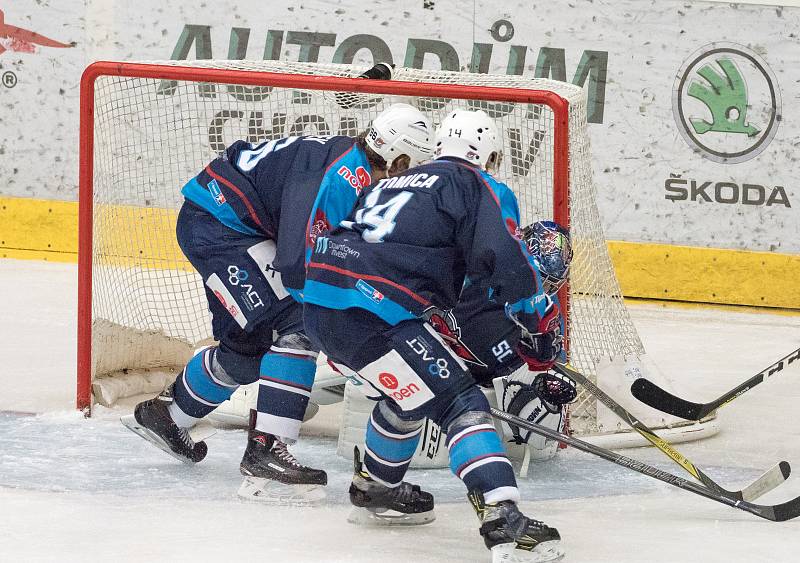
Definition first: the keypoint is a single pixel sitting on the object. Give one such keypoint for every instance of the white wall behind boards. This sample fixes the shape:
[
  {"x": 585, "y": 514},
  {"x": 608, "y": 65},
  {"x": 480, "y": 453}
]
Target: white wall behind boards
[{"x": 692, "y": 104}]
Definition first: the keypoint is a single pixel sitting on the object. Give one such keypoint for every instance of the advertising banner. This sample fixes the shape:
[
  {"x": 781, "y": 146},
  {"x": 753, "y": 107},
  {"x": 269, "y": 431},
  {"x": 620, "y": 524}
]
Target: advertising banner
[{"x": 691, "y": 104}]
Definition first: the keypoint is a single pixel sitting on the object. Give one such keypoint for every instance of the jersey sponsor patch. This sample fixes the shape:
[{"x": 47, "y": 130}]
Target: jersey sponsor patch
[
  {"x": 216, "y": 192},
  {"x": 225, "y": 297},
  {"x": 358, "y": 180},
  {"x": 263, "y": 254},
  {"x": 398, "y": 380},
  {"x": 318, "y": 226},
  {"x": 369, "y": 291}
]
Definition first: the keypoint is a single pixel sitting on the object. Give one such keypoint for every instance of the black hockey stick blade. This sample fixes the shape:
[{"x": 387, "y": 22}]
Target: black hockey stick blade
[
  {"x": 654, "y": 396},
  {"x": 765, "y": 483},
  {"x": 775, "y": 513}
]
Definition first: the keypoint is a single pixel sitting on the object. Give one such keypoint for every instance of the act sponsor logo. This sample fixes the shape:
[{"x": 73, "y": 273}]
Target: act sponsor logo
[
  {"x": 436, "y": 366},
  {"x": 237, "y": 277},
  {"x": 726, "y": 103}
]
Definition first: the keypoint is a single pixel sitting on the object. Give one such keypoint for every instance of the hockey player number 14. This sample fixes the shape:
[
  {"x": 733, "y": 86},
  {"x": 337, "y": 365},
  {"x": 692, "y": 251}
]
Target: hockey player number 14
[{"x": 380, "y": 218}]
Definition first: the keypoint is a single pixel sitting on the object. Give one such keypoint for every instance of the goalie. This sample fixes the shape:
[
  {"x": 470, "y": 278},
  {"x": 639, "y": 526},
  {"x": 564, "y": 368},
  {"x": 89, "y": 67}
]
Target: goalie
[{"x": 494, "y": 348}]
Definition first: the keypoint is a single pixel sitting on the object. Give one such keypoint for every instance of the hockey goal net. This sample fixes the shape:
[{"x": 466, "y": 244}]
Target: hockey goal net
[{"x": 146, "y": 128}]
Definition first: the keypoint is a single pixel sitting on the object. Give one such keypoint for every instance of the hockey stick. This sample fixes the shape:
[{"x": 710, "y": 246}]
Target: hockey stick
[
  {"x": 768, "y": 481},
  {"x": 776, "y": 513},
  {"x": 651, "y": 394}
]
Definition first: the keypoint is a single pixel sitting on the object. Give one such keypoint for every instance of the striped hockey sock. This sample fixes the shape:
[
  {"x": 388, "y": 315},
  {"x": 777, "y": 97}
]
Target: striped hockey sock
[
  {"x": 477, "y": 458},
  {"x": 198, "y": 391},
  {"x": 287, "y": 375},
  {"x": 390, "y": 445}
]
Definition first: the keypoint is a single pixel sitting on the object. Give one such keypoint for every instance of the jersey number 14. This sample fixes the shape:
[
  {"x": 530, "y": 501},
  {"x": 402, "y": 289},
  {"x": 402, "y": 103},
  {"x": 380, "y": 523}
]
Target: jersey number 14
[{"x": 380, "y": 218}]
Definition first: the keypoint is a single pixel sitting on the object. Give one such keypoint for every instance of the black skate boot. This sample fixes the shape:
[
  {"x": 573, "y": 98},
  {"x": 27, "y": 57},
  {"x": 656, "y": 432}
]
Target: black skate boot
[
  {"x": 377, "y": 504},
  {"x": 511, "y": 536},
  {"x": 151, "y": 421},
  {"x": 273, "y": 475}
]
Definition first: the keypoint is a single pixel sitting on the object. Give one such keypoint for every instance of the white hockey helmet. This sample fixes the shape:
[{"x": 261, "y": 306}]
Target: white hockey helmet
[
  {"x": 471, "y": 136},
  {"x": 401, "y": 129}
]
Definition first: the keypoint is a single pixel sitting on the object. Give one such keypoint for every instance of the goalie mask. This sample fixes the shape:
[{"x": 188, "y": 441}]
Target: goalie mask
[
  {"x": 551, "y": 246},
  {"x": 401, "y": 129},
  {"x": 538, "y": 398}
]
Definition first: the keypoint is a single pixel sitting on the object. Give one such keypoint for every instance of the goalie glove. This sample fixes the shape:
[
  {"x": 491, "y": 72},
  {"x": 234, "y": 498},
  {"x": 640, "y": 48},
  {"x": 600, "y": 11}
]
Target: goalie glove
[
  {"x": 538, "y": 398},
  {"x": 540, "y": 349},
  {"x": 381, "y": 71},
  {"x": 349, "y": 100},
  {"x": 555, "y": 390}
]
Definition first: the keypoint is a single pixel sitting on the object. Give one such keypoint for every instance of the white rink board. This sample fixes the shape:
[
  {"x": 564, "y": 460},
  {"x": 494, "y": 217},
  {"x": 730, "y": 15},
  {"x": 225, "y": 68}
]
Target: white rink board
[
  {"x": 634, "y": 53},
  {"x": 88, "y": 490}
]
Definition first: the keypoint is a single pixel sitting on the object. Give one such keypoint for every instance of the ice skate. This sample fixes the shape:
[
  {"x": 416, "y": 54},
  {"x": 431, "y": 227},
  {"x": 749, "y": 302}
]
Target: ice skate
[
  {"x": 273, "y": 475},
  {"x": 151, "y": 421},
  {"x": 511, "y": 536},
  {"x": 379, "y": 505}
]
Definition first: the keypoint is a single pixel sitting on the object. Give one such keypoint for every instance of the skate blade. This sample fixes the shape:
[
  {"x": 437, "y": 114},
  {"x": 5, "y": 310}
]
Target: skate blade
[
  {"x": 364, "y": 517},
  {"x": 201, "y": 432},
  {"x": 272, "y": 492},
  {"x": 130, "y": 422},
  {"x": 545, "y": 551}
]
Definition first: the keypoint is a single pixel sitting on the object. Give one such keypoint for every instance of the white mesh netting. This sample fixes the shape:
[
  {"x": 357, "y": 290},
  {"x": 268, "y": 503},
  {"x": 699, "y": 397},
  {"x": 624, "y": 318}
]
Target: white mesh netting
[{"x": 152, "y": 135}]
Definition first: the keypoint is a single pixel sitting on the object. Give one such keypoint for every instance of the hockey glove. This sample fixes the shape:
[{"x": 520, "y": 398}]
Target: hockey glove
[
  {"x": 555, "y": 390},
  {"x": 540, "y": 349}
]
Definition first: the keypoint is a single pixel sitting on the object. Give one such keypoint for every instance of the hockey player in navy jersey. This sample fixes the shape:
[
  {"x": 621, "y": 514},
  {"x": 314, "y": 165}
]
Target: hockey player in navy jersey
[
  {"x": 243, "y": 227},
  {"x": 408, "y": 245}
]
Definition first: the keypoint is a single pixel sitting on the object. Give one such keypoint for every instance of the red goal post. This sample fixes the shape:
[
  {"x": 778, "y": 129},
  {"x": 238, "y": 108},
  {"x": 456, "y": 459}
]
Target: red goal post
[{"x": 146, "y": 128}]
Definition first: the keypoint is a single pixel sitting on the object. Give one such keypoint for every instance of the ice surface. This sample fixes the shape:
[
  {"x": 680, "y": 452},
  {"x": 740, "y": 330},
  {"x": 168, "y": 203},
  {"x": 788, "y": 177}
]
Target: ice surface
[{"x": 89, "y": 490}]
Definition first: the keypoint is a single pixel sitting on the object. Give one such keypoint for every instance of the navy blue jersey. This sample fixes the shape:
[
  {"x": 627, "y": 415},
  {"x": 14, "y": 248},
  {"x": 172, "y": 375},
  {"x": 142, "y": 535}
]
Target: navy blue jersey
[
  {"x": 411, "y": 239},
  {"x": 269, "y": 189}
]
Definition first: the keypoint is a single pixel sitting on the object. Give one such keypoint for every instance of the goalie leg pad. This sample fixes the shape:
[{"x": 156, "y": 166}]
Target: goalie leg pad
[
  {"x": 285, "y": 381},
  {"x": 391, "y": 441},
  {"x": 201, "y": 387},
  {"x": 477, "y": 456}
]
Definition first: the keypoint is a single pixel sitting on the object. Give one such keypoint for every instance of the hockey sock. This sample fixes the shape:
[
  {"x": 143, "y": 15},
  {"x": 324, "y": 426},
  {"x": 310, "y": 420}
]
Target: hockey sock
[
  {"x": 199, "y": 389},
  {"x": 477, "y": 456},
  {"x": 390, "y": 444},
  {"x": 287, "y": 374}
]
